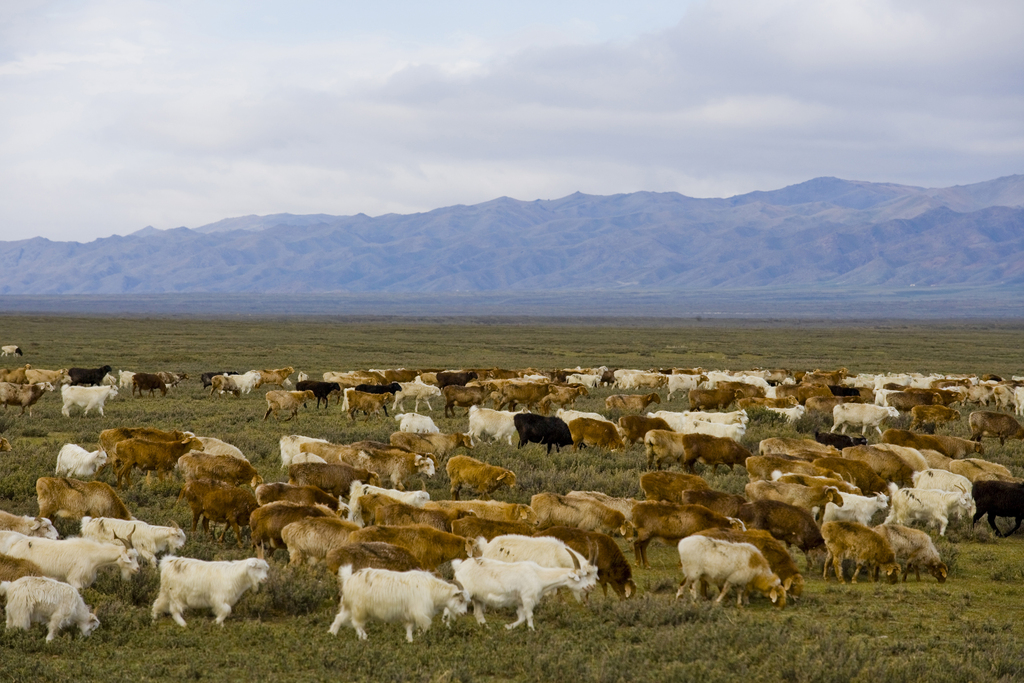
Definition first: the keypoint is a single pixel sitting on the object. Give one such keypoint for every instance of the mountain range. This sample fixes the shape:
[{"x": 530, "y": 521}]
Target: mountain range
[{"x": 823, "y": 233}]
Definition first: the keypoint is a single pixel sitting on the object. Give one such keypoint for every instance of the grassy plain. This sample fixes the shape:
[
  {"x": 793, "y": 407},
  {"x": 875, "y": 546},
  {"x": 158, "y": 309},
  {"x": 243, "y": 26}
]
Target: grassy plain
[{"x": 964, "y": 630}]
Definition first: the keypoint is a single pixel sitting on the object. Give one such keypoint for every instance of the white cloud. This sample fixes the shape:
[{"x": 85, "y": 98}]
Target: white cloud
[{"x": 121, "y": 114}]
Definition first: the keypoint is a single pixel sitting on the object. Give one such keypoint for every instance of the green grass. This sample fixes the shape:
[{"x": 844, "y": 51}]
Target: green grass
[{"x": 965, "y": 629}]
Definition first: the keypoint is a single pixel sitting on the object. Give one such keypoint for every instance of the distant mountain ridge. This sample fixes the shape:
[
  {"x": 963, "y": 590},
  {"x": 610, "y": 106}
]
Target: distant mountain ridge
[{"x": 826, "y": 232}]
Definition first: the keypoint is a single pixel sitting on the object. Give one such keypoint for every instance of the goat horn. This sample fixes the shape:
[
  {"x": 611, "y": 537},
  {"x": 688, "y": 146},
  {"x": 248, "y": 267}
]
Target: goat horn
[{"x": 575, "y": 562}]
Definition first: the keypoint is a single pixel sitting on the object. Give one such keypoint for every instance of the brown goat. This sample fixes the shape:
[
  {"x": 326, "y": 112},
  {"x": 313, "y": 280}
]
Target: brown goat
[
  {"x": 267, "y": 522},
  {"x": 850, "y": 540},
  {"x": 481, "y": 477},
  {"x": 671, "y": 523},
  {"x": 998, "y": 425},
  {"x": 373, "y": 555},
  {"x": 429, "y": 546},
  {"x": 669, "y": 486},
  {"x": 76, "y": 499}
]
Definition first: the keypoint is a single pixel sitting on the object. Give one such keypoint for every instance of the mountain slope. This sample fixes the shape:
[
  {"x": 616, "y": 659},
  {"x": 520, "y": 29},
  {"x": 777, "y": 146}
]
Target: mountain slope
[{"x": 825, "y": 232}]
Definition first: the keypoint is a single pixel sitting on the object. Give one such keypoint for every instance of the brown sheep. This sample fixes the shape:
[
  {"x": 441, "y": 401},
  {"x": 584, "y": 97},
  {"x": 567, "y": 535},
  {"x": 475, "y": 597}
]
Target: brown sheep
[
  {"x": 24, "y": 395},
  {"x": 513, "y": 393},
  {"x": 802, "y": 392},
  {"x": 109, "y": 438},
  {"x": 976, "y": 469},
  {"x": 761, "y": 402},
  {"x": 194, "y": 491},
  {"x": 563, "y": 397},
  {"x": 623, "y": 505},
  {"x": 815, "y": 482},
  {"x": 825, "y": 404},
  {"x": 396, "y": 464},
  {"x": 278, "y": 377},
  {"x": 143, "y": 381},
  {"x": 906, "y": 401}
]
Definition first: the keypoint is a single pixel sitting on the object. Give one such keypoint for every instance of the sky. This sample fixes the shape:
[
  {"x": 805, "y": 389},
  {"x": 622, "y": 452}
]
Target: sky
[{"x": 116, "y": 115}]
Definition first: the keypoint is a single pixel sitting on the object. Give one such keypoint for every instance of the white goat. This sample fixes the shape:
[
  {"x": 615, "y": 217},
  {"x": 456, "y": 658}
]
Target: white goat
[
  {"x": 75, "y": 461},
  {"x": 410, "y": 598},
  {"x": 493, "y": 583},
  {"x": 147, "y": 539},
  {"x": 41, "y": 600},
  {"x": 197, "y": 584}
]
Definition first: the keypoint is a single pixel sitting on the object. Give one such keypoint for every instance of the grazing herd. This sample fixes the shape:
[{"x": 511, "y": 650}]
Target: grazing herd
[{"x": 345, "y": 507}]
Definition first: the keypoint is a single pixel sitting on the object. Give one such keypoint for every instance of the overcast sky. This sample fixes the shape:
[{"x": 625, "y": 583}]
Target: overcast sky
[{"x": 115, "y": 115}]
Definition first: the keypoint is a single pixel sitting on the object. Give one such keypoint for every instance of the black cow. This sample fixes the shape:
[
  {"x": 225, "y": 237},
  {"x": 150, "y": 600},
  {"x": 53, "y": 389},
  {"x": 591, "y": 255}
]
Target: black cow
[
  {"x": 840, "y": 441},
  {"x": 549, "y": 431},
  {"x": 87, "y": 376},
  {"x": 843, "y": 391},
  {"x": 999, "y": 499},
  {"x": 322, "y": 390},
  {"x": 392, "y": 388},
  {"x": 447, "y": 379},
  {"x": 207, "y": 377}
]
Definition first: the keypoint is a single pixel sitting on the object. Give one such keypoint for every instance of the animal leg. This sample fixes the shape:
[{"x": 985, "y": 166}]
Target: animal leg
[
  {"x": 478, "y": 612},
  {"x": 340, "y": 620}
]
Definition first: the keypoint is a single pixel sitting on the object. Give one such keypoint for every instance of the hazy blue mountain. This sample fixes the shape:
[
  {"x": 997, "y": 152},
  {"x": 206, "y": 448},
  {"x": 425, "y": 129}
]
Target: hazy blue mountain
[{"x": 824, "y": 232}]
